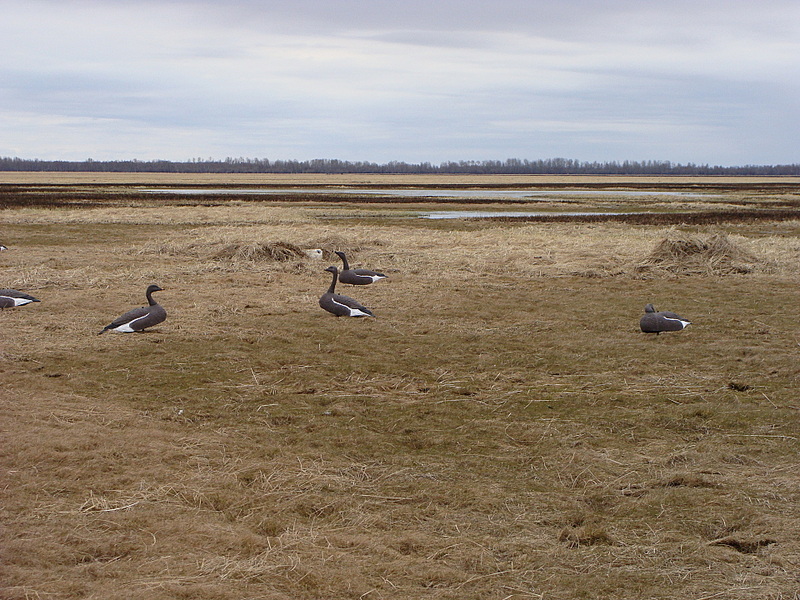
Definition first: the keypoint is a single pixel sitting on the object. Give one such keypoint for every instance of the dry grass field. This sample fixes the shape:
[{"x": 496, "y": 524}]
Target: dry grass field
[{"x": 502, "y": 430}]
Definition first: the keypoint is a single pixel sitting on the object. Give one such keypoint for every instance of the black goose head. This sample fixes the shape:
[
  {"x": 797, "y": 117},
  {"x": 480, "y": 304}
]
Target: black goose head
[
  {"x": 149, "y": 293},
  {"x": 335, "y": 272},
  {"x": 649, "y": 308},
  {"x": 341, "y": 255}
]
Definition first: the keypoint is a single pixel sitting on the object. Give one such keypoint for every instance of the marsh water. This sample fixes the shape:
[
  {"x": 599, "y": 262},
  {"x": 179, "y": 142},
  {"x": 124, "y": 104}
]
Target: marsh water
[
  {"x": 493, "y": 195},
  {"x": 455, "y": 194},
  {"x": 518, "y": 214}
]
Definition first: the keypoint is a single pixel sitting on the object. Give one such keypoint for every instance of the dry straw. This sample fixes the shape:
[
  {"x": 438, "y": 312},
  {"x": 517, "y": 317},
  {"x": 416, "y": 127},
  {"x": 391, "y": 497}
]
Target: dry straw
[
  {"x": 687, "y": 254},
  {"x": 256, "y": 251}
]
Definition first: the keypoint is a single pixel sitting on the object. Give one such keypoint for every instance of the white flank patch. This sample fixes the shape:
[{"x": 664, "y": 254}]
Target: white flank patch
[
  {"x": 20, "y": 301},
  {"x": 354, "y": 312},
  {"x": 681, "y": 321},
  {"x": 128, "y": 327}
]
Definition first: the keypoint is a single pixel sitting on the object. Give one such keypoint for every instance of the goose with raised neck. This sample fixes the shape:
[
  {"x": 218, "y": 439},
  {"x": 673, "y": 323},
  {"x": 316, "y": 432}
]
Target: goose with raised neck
[
  {"x": 357, "y": 276},
  {"x": 339, "y": 305},
  {"x": 141, "y": 318}
]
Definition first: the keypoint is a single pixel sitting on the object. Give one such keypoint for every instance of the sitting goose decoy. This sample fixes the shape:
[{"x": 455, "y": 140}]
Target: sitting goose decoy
[
  {"x": 656, "y": 322},
  {"x": 357, "y": 276},
  {"x": 139, "y": 318},
  {"x": 341, "y": 306},
  {"x": 9, "y": 298}
]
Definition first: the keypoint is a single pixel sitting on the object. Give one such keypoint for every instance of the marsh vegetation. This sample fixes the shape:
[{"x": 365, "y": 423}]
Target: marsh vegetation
[{"x": 501, "y": 430}]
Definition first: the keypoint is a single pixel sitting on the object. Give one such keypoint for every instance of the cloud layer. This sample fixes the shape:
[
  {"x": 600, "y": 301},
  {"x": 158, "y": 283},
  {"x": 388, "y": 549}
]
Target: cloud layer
[{"x": 712, "y": 82}]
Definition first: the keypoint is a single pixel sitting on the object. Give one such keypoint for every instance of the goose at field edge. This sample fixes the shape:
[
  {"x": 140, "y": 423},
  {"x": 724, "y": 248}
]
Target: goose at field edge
[
  {"x": 357, "y": 276},
  {"x": 339, "y": 305},
  {"x": 657, "y": 321},
  {"x": 139, "y": 318},
  {"x": 10, "y": 298}
]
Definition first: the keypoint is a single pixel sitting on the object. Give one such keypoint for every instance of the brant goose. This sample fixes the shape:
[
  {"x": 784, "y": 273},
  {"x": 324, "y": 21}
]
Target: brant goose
[
  {"x": 656, "y": 322},
  {"x": 341, "y": 306},
  {"x": 139, "y": 318},
  {"x": 9, "y": 298},
  {"x": 357, "y": 276}
]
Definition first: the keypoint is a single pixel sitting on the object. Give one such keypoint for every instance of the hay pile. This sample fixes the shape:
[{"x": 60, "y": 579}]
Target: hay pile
[
  {"x": 687, "y": 254},
  {"x": 226, "y": 249},
  {"x": 260, "y": 252}
]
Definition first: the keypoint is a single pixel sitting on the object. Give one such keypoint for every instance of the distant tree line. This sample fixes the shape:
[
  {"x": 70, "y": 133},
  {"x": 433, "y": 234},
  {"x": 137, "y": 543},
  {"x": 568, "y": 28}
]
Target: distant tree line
[{"x": 511, "y": 166}]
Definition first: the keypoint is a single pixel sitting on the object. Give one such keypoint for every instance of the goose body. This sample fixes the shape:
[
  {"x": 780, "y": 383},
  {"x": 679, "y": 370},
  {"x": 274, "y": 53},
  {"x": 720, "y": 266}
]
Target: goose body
[
  {"x": 139, "y": 319},
  {"x": 657, "y": 321},
  {"x": 11, "y": 298},
  {"x": 339, "y": 305},
  {"x": 357, "y": 276}
]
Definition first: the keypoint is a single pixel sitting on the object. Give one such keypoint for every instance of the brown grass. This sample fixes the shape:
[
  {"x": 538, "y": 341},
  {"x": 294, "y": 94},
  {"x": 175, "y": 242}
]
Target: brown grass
[
  {"x": 270, "y": 251},
  {"x": 501, "y": 430},
  {"x": 716, "y": 254}
]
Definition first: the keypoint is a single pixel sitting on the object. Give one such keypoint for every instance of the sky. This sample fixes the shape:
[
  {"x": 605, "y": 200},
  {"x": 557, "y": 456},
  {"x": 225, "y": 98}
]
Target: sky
[{"x": 697, "y": 81}]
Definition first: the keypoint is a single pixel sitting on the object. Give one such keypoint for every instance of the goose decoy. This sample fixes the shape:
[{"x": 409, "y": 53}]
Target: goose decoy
[
  {"x": 342, "y": 306},
  {"x": 357, "y": 276},
  {"x": 139, "y": 318},
  {"x": 315, "y": 253},
  {"x": 656, "y": 322},
  {"x": 10, "y": 298}
]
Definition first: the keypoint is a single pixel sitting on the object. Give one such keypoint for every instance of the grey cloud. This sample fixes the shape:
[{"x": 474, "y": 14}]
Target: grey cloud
[{"x": 418, "y": 80}]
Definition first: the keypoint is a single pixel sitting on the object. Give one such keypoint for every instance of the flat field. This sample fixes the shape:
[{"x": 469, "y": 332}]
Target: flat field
[{"x": 501, "y": 430}]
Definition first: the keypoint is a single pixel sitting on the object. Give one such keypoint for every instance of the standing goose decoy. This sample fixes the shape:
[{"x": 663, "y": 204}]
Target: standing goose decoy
[
  {"x": 139, "y": 318},
  {"x": 341, "y": 306},
  {"x": 357, "y": 276},
  {"x": 10, "y": 298},
  {"x": 656, "y": 322}
]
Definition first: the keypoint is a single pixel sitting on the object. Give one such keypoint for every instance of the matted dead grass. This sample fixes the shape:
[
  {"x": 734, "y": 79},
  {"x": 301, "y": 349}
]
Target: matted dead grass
[
  {"x": 715, "y": 254},
  {"x": 501, "y": 430}
]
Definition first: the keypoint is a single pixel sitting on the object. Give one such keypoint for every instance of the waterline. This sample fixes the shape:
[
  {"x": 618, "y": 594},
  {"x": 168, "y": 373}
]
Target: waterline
[{"x": 454, "y": 194}]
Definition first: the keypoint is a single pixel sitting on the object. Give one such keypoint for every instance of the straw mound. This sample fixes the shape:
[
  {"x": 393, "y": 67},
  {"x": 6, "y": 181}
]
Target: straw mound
[
  {"x": 237, "y": 251},
  {"x": 685, "y": 254},
  {"x": 260, "y": 252}
]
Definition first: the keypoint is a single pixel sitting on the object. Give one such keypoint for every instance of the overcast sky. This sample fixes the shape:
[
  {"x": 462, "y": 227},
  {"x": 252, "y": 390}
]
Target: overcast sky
[{"x": 698, "y": 81}]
